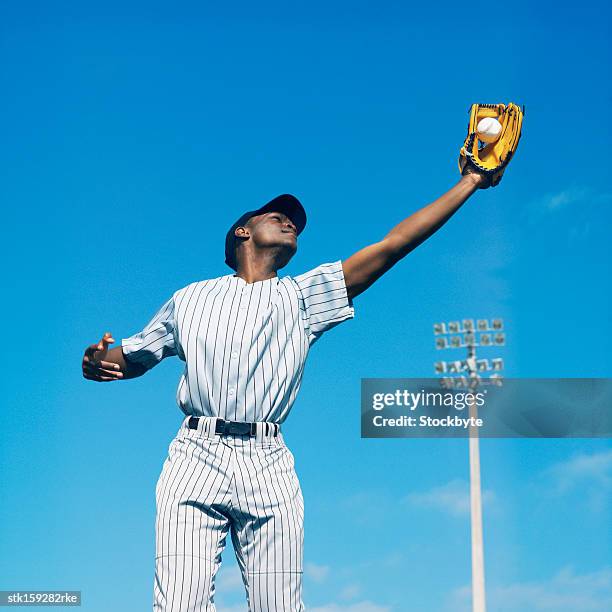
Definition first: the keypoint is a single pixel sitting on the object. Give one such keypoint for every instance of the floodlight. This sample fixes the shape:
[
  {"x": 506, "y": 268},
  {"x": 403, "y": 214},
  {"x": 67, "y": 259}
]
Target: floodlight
[
  {"x": 460, "y": 334},
  {"x": 482, "y": 365},
  {"x": 441, "y": 343},
  {"x": 439, "y": 328},
  {"x": 498, "y": 364},
  {"x": 500, "y": 339}
]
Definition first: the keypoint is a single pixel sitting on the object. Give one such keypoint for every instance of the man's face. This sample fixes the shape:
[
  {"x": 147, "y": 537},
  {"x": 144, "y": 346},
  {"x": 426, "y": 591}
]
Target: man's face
[{"x": 272, "y": 230}]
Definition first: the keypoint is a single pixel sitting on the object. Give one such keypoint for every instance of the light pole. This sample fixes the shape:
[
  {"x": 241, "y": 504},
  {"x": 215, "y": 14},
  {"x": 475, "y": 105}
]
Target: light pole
[{"x": 465, "y": 334}]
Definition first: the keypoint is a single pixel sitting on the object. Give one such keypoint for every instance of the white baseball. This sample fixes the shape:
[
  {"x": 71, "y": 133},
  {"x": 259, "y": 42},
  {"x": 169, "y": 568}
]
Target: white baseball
[{"x": 489, "y": 129}]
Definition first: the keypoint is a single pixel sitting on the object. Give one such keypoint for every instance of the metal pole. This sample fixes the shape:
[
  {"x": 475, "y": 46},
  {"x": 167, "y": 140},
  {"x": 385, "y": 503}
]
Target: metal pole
[
  {"x": 474, "y": 336},
  {"x": 478, "y": 578}
]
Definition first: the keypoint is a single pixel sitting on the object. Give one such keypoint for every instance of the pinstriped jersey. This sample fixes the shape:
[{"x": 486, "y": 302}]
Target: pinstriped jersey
[{"x": 244, "y": 344}]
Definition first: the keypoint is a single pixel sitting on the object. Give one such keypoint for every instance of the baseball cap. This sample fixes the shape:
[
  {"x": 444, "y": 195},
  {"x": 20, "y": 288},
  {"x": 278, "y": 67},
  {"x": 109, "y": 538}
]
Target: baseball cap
[{"x": 286, "y": 203}]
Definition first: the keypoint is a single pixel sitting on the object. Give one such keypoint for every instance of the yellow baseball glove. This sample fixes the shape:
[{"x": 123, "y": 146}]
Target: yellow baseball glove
[{"x": 491, "y": 159}]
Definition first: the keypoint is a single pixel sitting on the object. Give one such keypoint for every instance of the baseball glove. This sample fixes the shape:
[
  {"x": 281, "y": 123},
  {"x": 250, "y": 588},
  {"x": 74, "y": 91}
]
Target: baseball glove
[{"x": 491, "y": 159}]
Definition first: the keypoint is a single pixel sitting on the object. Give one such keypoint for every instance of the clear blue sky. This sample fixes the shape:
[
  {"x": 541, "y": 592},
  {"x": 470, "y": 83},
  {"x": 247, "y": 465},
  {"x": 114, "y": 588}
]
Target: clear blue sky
[{"x": 132, "y": 134}]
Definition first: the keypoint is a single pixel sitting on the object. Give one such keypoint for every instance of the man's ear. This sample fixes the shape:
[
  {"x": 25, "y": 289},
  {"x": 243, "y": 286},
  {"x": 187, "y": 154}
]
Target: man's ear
[{"x": 242, "y": 232}]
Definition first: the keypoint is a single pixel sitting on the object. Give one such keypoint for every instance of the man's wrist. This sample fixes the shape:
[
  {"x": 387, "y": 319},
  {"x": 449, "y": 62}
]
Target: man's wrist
[{"x": 474, "y": 179}]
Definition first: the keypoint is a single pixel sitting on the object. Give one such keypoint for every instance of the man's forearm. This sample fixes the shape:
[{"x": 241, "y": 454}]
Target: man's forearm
[
  {"x": 416, "y": 228},
  {"x": 370, "y": 263},
  {"x": 128, "y": 368}
]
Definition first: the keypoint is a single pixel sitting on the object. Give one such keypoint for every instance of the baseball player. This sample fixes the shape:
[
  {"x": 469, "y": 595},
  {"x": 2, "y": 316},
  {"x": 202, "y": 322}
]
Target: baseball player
[{"x": 244, "y": 338}]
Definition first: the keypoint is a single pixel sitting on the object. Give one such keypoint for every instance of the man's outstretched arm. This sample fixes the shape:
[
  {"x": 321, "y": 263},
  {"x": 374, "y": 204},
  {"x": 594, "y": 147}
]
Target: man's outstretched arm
[
  {"x": 370, "y": 263},
  {"x": 104, "y": 364}
]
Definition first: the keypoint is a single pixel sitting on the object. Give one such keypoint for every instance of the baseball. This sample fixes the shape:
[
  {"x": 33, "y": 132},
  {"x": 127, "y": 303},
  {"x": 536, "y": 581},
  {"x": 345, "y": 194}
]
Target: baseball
[{"x": 488, "y": 129}]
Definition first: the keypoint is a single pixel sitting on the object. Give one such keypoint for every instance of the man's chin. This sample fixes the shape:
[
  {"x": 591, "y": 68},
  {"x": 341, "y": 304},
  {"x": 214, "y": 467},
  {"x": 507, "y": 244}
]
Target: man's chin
[{"x": 285, "y": 254}]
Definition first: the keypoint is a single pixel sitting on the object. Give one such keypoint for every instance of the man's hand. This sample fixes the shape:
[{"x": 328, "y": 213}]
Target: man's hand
[
  {"x": 480, "y": 180},
  {"x": 95, "y": 365},
  {"x": 493, "y": 158}
]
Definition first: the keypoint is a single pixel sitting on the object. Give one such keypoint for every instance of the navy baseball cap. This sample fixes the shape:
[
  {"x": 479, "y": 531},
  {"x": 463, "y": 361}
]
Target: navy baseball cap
[{"x": 286, "y": 203}]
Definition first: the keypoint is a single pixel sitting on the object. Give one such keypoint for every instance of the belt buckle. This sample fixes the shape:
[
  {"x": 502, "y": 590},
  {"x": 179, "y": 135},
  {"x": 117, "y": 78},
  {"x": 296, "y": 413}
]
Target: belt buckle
[{"x": 235, "y": 427}]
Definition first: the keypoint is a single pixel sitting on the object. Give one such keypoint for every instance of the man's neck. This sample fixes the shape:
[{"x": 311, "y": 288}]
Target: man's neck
[{"x": 253, "y": 271}]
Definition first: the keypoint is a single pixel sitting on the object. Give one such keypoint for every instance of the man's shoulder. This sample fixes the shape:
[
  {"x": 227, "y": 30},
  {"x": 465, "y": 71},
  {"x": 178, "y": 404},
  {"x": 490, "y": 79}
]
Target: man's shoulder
[{"x": 332, "y": 268}]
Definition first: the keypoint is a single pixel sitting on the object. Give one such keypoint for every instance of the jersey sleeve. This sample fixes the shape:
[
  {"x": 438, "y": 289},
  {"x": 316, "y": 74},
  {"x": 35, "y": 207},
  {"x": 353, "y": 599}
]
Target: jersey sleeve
[
  {"x": 325, "y": 299},
  {"x": 156, "y": 341}
]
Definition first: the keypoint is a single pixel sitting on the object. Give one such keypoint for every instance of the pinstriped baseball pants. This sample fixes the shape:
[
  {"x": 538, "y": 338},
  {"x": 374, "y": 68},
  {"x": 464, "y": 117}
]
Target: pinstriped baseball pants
[{"x": 210, "y": 486}]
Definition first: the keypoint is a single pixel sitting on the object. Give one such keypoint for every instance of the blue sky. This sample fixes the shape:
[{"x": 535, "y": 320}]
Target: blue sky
[{"x": 134, "y": 133}]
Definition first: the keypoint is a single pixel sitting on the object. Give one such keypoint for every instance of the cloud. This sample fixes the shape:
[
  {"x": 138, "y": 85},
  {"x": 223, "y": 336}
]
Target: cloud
[
  {"x": 589, "y": 474},
  {"x": 317, "y": 573},
  {"x": 362, "y": 606},
  {"x": 350, "y": 591},
  {"x": 575, "y": 194},
  {"x": 564, "y": 592},
  {"x": 555, "y": 201},
  {"x": 595, "y": 468},
  {"x": 583, "y": 202},
  {"x": 452, "y": 497}
]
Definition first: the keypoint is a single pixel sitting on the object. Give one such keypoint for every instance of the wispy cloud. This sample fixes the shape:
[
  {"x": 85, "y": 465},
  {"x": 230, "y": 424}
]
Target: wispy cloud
[
  {"x": 570, "y": 196},
  {"x": 583, "y": 202},
  {"x": 351, "y": 591},
  {"x": 452, "y": 497},
  {"x": 594, "y": 467},
  {"x": 317, "y": 573},
  {"x": 564, "y": 592},
  {"x": 589, "y": 474},
  {"x": 560, "y": 199}
]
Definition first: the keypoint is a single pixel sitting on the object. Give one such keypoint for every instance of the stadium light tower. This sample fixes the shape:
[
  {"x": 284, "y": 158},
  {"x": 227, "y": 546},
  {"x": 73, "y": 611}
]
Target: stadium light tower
[{"x": 470, "y": 373}]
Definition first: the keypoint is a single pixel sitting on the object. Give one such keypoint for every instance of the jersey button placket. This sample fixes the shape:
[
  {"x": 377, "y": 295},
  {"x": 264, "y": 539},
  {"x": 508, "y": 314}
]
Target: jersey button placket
[
  {"x": 232, "y": 390},
  {"x": 244, "y": 299}
]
